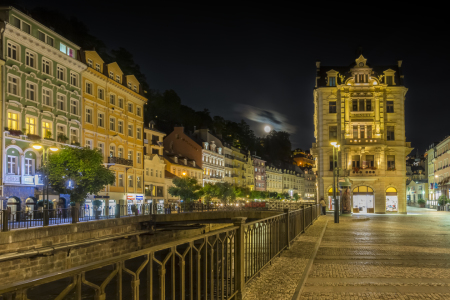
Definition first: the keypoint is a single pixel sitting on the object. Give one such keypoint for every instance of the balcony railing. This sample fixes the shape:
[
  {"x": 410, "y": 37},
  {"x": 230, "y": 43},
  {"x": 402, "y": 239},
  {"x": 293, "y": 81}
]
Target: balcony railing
[
  {"x": 362, "y": 172},
  {"x": 120, "y": 161}
]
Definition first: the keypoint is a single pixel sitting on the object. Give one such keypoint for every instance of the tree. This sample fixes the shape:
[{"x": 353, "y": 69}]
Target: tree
[
  {"x": 209, "y": 191},
  {"x": 296, "y": 196},
  {"x": 84, "y": 169},
  {"x": 186, "y": 188},
  {"x": 226, "y": 192},
  {"x": 285, "y": 195}
]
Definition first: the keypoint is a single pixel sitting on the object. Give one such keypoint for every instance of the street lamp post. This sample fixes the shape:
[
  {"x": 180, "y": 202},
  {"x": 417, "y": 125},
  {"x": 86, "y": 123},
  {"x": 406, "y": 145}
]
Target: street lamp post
[
  {"x": 45, "y": 152},
  {"x": 335, "y": 178}
]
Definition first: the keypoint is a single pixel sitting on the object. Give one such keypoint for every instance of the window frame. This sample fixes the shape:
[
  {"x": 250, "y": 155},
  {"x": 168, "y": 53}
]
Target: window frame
[
  {"x": 47, "y": 62},
  {"x": 332, "y": 109},
  {"x": 29, "y": 125},
  {"x": 17, "y": 85},
  {"x": 28, "y": 54},
  {"x": 77, "y": 135},
  {"x": 29, "y": 92},
  {"x": 63, "y": 101},
  {"x": 77, "y": 110},
  {"x": 99, "y": 89},
  {"x": 112, "y": 121},
  {"x": 50, "y": 97},
  {"x": 63, "y": 72},
  {"x": 72, "y": 76},
  {"x": 101, "y": 119},
  {"x": 49, "y": 128},
  {"x": 389, "y": 106},
  {"x": 14, "y": 48},
  {"x": 89, "y": 115}
]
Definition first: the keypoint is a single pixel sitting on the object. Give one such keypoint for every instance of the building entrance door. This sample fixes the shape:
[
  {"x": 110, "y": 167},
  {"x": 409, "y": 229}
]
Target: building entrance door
[
  {"x": 392, "y": 200},
  {"x": 363, "y": 199}
]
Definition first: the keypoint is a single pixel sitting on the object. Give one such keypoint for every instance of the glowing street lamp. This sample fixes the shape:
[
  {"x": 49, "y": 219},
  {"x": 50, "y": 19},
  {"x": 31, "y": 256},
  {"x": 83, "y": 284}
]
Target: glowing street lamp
[{"x": 335, "y": 177}]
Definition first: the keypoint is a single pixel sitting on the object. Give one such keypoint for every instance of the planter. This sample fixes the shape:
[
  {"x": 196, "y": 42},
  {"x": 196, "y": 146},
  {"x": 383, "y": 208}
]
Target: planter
[{"x": 422, "y": 205}]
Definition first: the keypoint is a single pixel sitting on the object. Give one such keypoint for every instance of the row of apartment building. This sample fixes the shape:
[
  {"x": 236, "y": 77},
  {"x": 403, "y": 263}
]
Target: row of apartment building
[
  {"x": 55, "y": 94},
  {"x": 438, "y": 170}
]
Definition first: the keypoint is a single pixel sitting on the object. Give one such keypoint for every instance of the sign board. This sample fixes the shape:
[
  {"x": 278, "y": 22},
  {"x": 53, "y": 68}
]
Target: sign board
[
  {"x": 130, "y": 197},
  {"x": 139, "y": 197}
]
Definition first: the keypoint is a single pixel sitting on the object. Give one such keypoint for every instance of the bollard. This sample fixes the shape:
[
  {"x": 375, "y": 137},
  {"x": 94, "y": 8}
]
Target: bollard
[
  {"x": 5, "y": 217},
  {"x": 240, "y": 257},
  {"x": 288, "y": 242}
]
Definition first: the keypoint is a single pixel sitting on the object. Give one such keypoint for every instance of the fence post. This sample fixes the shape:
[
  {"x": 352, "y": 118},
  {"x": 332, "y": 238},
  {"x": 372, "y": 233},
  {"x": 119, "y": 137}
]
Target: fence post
[
  {"x": 288, "y": 241},
  {"x": 240, "y": 256},
  {"x": 5, "y": 218},
  {"x": 304, "y": 219}
]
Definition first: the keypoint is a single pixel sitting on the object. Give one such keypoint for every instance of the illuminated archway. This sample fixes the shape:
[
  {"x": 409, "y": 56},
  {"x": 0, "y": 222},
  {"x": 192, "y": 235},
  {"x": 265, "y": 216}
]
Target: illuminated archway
[{"x": 391, "y": 200}]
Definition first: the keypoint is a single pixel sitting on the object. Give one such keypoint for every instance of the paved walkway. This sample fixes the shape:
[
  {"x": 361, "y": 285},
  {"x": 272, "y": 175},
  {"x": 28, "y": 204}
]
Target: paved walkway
[{"x": 386, "y": 257}]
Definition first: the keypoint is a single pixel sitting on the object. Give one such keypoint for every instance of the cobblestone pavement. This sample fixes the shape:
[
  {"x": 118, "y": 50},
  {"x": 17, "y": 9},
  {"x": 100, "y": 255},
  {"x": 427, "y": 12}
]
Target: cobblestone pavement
[
  {"x": 386, "y": 257},
  {"x": 280, "y": 279}
]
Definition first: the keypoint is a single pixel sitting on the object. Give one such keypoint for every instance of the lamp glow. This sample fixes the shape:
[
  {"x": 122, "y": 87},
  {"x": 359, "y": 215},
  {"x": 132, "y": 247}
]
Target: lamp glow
[
  {"x": 54, "y": 148},
  {"x": 267, "y": 128},
  {"x": 36, "y": 146},
  {"x": 333, "y": 144}
]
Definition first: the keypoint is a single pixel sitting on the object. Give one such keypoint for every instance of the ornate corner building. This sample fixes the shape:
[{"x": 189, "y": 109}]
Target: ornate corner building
[{"x": 361, "y": 107}]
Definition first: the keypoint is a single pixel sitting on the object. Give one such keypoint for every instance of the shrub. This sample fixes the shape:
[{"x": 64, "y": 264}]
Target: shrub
[
  {"x": 443, "y": 200},
  {"x": 421, "y": 201}
]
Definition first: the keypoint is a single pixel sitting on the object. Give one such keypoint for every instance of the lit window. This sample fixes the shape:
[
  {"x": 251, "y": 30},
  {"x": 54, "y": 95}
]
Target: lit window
[
  {"x": 46, "y": 129},
  {"x": 138, "y": 179},
  {"x": 13, "y": 121},
  {"x": 66, "y": 49},
  {"x": 30, "y": 125},
  {"x": 130, "y": 154},
  {"x": 74, "y": 135}
]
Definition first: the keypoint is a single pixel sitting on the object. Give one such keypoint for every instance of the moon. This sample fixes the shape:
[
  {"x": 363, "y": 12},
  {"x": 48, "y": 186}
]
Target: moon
[{"x": 267, "y": 128}]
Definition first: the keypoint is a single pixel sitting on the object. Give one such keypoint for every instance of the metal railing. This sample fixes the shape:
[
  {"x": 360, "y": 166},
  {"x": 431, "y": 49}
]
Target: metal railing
[
  {"x": 216, "y": 265},
  {"x": 120, "y": 161}
]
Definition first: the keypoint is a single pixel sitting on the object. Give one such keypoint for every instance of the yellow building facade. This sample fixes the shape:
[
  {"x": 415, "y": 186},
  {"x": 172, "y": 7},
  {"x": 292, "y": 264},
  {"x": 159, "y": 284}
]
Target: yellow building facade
[
  {"x": 154, "y": 165},
  {"x": 274, "y": 180},
  {"x": 112, "y": 109},
  {"x": 238, "y": 175}
]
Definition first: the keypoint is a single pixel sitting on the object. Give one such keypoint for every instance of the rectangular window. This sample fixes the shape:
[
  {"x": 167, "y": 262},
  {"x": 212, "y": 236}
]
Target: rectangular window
[
  {"x": 46, "y": 66},
  {"x": 101, "y": 147},
  {"x": 332, "y": 81},
  {"x": 138, "y": 133},
  {"x": 13, "y": 85},
  {"x": 112, "y": 124},
  {"x": 121, "y": 180},
  {"x": 118, "y": 78},
  {"x": 89, "y": 62},
  {"x": 97, "y": 67},
  {"x": 31, "y": 91},
  {"x": 120, "y": 102},
  {"x": 354, "y": 105},
  {"x": 111, "y": 74},
  {"x": 61, "y": 73},
  {"x": 26, "y": 27},
  {"x": 41, "y": 36},
  {"x": 331, "y": 162},
  {"x": 362, "y": 130},
  {"x": 369, "y": 131},
  {"x": 13, "y": 51},
  {"x": 74, "y": 107},
  {"x": 390, "y": 106},
  {"x": 88, "y": 144},
  {"x": 112, "y": 99},
  {"x": 135, "y": 89},
  {"x": 61, "y": 105},
  {"x": 370, "y": 161},
  {"x": 332, "y": 107},
  {"x": 130, "y": 154},
  {"x": 130, "y": 107},
  {"x": 13, "y": 121},
  {"x": 89, "y": 88},
  {"x": 361, "y": 78},
  {"x": 28, "y": 166},
  {"x": 333, "y": 133},
  {"x": 112, "y": 151},
  {"x": 138, "y": 181},
  {"x": 15, "y": 22},
  {"x": 89, "y": 115},
  {"x": 130, "y": 181},
  {"x": 66, "y": 49},
  {"x": 12, "y": 164},
  {"x": 47, "y": 97},
  {"x": 368, "y": 105},
  {"x": 130, "y": 130},
  {"x": 120, "y": 126},
  {"x": 390, "y": 133},
  {"x": 30, "y": 125},
  {"x": 151, "y": 173},
  {"x": 101, "y": 94},
  {"x": 30, "y": 59},
  {"x": 73, "y": 79},
  {"x": 60, "y": 130},
  {"x": 355, "y": 161},
  {"x": 361, "y": 104},
  {"x": 355, "y": 131},
  {"x": 391, "y": 162},
  {"x": 46, "y": 129},
  {"x": 74, "y": 135},
  {"x": 50, "y": 41},
  {"x": 138, "y": 158},
  {"x": 138, "y": 111},
  {"x": 389, "y": 80},
  {"x": 101, "y": 120},
  {"x": 129, "y": 85}
]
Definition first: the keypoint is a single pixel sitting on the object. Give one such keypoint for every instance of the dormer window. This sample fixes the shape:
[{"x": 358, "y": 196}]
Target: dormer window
[
  {"x": 175, "y": 159},
  {"x": 89, "y": 62},
  {"x": 389, "y": 77},
  {"x": 389, "y": 80},
  {"x": 193, "y": 163},
  {"x": 185, "y": 161},
  {"x": 111, "y": 75},
  {"x": 332, "y": 81},
  {"x": 118, "y": 78},
  {"x": 129, "y": 85}
]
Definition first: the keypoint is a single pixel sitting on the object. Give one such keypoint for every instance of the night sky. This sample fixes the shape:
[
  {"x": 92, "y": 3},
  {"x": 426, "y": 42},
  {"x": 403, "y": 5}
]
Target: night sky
[{"x": 218, "y": 57}]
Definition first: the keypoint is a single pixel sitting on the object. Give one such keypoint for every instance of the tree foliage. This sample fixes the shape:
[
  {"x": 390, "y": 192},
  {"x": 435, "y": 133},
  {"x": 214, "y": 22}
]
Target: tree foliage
[
  {"x": 83, "y": 167},
  {"x": 226, "y": 192},
  {"x": 210, "y": 191},
  {"x": 186, "y": 188}
]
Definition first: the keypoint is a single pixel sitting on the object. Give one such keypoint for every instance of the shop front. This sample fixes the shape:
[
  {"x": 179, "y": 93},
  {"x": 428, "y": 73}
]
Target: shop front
[
  {"x": 363, "y": 200},
  {"x": 330, "y": 199},
  {"x": 391, "y": 200}
]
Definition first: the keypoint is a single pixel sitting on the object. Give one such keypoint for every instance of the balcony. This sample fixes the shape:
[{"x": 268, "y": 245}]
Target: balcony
[{"x": 120, "y": 161}]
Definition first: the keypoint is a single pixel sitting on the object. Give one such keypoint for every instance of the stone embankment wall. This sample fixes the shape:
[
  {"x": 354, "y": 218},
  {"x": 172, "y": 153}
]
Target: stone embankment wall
[{"x": 30, "y": 253}]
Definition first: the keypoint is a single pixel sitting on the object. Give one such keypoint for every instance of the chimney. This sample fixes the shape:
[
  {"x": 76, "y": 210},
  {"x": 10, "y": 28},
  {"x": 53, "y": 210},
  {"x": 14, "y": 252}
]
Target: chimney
[
  {"x": 195, "y": 127},
  {"x": 400, "y": 71}
]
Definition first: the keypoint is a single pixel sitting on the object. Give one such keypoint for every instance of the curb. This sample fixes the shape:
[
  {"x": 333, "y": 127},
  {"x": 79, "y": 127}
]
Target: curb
[{"x": 298, "y": 290}]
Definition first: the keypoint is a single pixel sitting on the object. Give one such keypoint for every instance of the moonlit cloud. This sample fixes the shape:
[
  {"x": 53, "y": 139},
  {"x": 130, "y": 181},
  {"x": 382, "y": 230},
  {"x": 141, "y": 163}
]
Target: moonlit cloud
[{"x": 272, "y": 118}]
